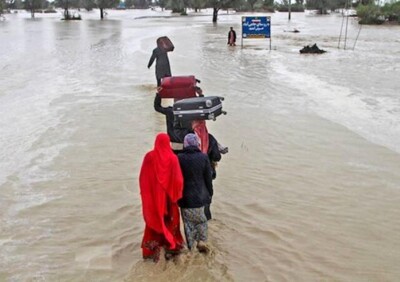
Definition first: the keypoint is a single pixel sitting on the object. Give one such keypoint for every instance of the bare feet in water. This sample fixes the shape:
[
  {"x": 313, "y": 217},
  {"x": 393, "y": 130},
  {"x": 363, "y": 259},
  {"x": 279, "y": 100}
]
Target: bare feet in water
[{"x": 202, "y": 247}]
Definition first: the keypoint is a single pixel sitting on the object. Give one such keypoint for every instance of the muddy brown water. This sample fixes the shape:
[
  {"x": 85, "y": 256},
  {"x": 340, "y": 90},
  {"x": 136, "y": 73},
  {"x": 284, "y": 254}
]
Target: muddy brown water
[{"x": 309, "y": 190}]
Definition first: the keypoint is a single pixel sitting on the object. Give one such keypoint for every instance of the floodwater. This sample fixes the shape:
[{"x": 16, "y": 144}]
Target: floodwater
[{"x": 310, "y": 188}]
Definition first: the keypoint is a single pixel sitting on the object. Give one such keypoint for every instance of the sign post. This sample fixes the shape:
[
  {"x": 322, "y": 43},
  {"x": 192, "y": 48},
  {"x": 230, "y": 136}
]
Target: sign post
[{"x": 256, "y": 28}]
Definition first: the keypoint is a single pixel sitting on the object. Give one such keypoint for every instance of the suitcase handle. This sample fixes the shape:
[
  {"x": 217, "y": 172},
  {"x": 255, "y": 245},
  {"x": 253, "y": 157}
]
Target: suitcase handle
[
  {"x": 198, "y": 80},
  {"x": 214, "y": 118}
]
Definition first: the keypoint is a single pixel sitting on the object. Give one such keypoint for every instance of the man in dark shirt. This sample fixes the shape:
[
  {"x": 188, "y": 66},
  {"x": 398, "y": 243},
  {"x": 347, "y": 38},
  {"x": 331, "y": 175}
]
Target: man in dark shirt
[{"x": 176, "y": 130}]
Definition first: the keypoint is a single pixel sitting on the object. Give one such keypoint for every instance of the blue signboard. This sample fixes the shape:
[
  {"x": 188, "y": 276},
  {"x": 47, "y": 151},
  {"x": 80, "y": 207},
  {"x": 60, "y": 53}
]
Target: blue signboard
[{"x": 256, "y": 27}]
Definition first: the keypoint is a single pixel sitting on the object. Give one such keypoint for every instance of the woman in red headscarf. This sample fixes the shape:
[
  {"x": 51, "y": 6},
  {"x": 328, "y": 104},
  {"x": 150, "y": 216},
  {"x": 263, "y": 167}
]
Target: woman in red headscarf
[
  {"x": 161, "y": 186},
  {"x": 200, "y": 129}
]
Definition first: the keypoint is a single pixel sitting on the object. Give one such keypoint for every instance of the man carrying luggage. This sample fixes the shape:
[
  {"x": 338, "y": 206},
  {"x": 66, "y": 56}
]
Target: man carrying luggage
[
  {"x": 163, "y": 68},
  {"x": 176, "y": 131}
]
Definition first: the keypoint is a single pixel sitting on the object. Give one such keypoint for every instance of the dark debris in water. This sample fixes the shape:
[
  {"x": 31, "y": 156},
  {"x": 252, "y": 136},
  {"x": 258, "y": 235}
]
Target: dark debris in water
[{"x": 311, "y": 50}]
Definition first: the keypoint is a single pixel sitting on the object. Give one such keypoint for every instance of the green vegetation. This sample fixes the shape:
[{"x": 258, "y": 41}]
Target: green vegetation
[
  {"x": 33, "y": 5},
  {"x": 374, "y": 14},
  {"x": 324, "y": 6},
  {"x": 104, "y": 4},
  {"x": 368, "y": 11},
  {"x": 298, "y": 6},
  {"x": 2, "y": 6}
]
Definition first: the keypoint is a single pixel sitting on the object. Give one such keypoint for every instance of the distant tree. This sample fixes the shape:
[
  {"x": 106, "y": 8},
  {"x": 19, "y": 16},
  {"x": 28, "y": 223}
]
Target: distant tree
[
  {"x": 251, "y": 4},
  {"x": 365, "y": 2},
  {"x": 141, "y": 4},
  {"x": 177, "y": 6},
  {"x": 87, "y": 4},
  {"x": 103, "y": 4},
  {"x": 9, "y": 4},
  {"x": 376, "y": 14},
  {"x": 197, "y": 5},
  {"x": 321, "y": 5},
  {"x": 162, "y": 4},
  {"x": 294, "y": 6},
  {"x": 217, "y": 5},
  {"x": 268, "y": 3},
  {"x": 32, "y": 5},
  {"x": 2, "y": 6},
  {"x": 186, "y": 4},
  {"x": 369, "y": 14},
  {"x": 238, "y": 5},
  {"x": 130, "y": 3},
  {"x": 66, "y": 5},
  {"x": 392, "y": 11}
]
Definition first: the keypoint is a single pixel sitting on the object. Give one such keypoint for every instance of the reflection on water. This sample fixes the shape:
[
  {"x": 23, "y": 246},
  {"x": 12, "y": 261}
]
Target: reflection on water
[{"x": 308, "y": 191}]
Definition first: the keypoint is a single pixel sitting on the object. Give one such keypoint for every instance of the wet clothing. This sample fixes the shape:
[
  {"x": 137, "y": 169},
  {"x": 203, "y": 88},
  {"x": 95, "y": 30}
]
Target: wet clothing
[
  {"x": 154, "y": 241},
  {"x": 213, "y": 150},
  {"x": 161, "y": 186},
  {"x": 197, "y": 178},
  {"x": 197, "y": 192},
  {"x": 176, "y": 130},
  {"x": 231, "y": 37},
  {"x": 215, "y": 156},
  {"x": 200, "y": 128},
  {"x": 163, "y": 68},
  {"x": 195, "y": 225}
]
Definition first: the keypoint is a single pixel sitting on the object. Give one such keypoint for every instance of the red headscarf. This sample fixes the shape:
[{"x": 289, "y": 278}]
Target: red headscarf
[
  {"x": 161, "y": 182},
  {"x": 200, "y": 128}
]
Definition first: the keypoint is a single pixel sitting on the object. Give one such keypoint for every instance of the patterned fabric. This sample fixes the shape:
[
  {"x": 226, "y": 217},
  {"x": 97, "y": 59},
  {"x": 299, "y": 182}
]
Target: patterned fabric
[{"x": 195, "y": 225}]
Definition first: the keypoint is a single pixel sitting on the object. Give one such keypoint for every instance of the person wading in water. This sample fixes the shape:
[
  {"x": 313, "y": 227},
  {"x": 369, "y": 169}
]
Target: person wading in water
[
  {"x": 163, "y": 68},
  {"x": 232, "y": 37},
  {"x": 161, "y": 186}
]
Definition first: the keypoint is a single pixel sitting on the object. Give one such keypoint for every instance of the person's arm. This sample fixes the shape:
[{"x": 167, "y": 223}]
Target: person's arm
[
  {"x": 152, "y": 58},
  {"x": 158, "y": 107},
  {"x": 208, "y": 177},
  {"x": 213, "y": 150}
]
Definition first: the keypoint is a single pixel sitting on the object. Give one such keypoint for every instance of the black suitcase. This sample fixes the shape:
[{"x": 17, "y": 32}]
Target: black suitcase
[{"x": 198, "y": 108}]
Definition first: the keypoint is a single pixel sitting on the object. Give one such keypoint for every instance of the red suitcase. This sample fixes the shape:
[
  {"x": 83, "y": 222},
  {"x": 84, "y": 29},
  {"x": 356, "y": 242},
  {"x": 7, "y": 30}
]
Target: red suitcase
[
  {"x": 165, "y": 43},
  {"x": 178, "y": 87}
]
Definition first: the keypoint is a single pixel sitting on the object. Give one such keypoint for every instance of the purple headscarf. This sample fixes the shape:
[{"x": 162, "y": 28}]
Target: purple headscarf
[{"x": 191, "y": 140}]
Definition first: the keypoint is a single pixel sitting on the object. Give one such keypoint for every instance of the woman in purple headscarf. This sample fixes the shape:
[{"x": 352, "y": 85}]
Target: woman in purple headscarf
[{"x": 197, "y": 192}]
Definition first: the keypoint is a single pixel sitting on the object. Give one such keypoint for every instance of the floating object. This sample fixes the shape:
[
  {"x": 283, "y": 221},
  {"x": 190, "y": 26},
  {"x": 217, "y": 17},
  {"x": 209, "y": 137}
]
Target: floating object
[
  {"x": 311, "y": 50},
  {"x": 295, "y": 30}
]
